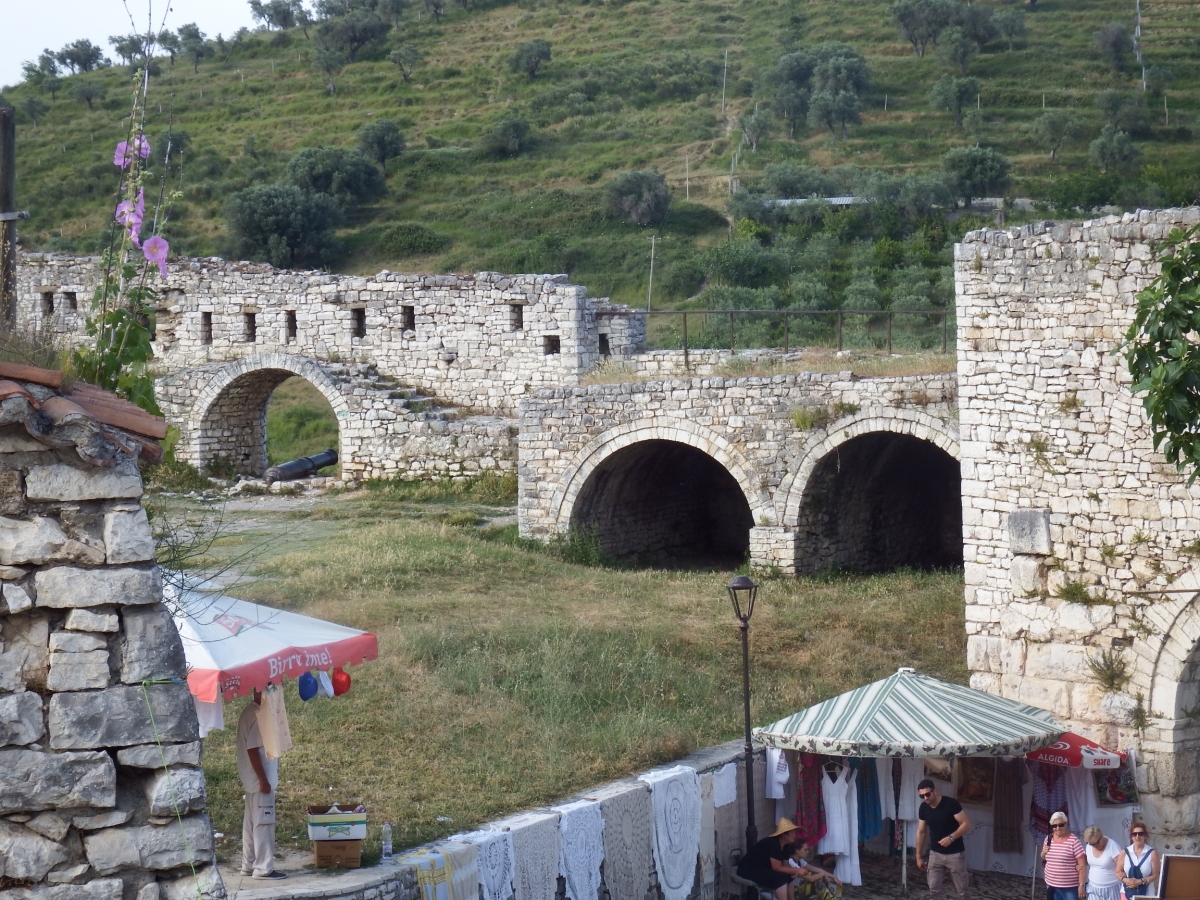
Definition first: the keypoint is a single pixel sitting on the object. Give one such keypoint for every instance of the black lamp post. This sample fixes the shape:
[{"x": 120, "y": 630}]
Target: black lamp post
[{"x": 742, "y": 593}]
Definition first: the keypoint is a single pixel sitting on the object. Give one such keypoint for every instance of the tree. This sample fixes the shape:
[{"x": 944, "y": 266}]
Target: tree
[
  {"x": 281, "y": 14},
  {"x": 1114, "y": 42},
  {"x": 1127, "y": 112},
  {"x": 953, "y": 95},
  {"x": 435, "y": 8},
  {"x": 33, "y": 107},
  {"x": 237, "y": 40},
  {"x": 975, "y": 172},
  {"x": 405, "y": 59},
  {"x": 88, "y": 92},
  {"x": 169, "y": 42},
  {"x": 921, "y": 21},
  {"x": 352, "y": 32},
  {"x": 346, "y": 176},
  {"x": 173, "y": 144},
  {"x": 1113, "y": 151},
  {"x": 329, "y": 60},
  {"x": 978, "y": 22},
  {"x": 839, "y": 67},
  {"x": 192, "y": 43},
  {"x": 1011, "y": 24},
  {"x": 381, "y": 140},
  {"x": 130, "y": 47},
  {"x": 1162, "y": 354},
  {"x": 80, "y": 56},
  {"x": 956, "y": 48},
  {"x": 43, "y": 74},
  {"x": 530, "y": 57},
  {"x": 1054, "y": 129},
  {"x": 638, "y": 197},
  {"x": 791, "y": 103},
  {"x": 755, "y": 126},
  {"x": 52, "y": 84},
  {"x": 508, "y": 137},
  {"x": 394, "y": 10},
  {"x": 834, "y": 110},
  {"x": 282, "y": 224}
]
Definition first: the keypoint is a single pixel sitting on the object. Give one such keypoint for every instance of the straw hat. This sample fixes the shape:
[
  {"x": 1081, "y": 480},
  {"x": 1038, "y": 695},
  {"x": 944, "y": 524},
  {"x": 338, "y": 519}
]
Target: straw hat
[{"x": 785, "y": 825}]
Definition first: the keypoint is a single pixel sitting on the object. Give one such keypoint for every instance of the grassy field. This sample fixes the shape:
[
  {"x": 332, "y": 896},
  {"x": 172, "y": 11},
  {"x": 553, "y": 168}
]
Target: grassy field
[
  {"x": 631, "y": 85},
  {"x": 509, "y": 678},
  {"x": 300, "y": 422}
]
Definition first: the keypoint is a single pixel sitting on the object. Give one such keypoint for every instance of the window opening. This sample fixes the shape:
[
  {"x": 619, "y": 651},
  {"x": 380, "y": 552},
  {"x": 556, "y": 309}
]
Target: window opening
[
  {"x": 290, "y": 316},
  {"x": 205, "y": 328},
  {"x": 72, "y": 300},
  {"x": 408, "y": 318},
  {"x": 358, "y": 319},
  {"x": 551, "y": 344},
  {"x": 604, "y": 350},
  {"x": 516, "y": 317},
  {"x": 250, "y": 327},
  {"x": 47, "y": 304}
]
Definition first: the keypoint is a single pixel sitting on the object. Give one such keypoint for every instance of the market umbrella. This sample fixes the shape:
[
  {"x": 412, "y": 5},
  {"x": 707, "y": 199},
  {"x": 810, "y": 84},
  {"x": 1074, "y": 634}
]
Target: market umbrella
[
  {"x": 914, "y": 715},
  {"x": 233, "y": 646},
  {"x": 1075, "y": 750}
]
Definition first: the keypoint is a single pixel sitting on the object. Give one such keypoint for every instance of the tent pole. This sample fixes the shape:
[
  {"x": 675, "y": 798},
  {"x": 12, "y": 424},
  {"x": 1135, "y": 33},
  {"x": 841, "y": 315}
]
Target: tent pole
[{"x": 904, "y": 857}]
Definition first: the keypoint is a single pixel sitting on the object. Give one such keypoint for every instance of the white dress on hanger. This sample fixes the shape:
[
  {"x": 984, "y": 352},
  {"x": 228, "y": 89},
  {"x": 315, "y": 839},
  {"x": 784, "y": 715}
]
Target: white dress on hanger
[
  {"x": 912, "y": 771},
  {"x": 837, "y": 825},
  {"x": 847, "y": 863}
]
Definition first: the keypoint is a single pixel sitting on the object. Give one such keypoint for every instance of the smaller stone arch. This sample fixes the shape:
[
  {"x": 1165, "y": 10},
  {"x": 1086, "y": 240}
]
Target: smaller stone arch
[
  {"x": 227, "y": 419},
  {"x": 942, "y": 433}
]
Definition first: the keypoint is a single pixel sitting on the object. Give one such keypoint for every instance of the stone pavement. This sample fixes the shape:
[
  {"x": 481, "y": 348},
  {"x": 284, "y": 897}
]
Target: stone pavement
[{"x": 881, "y": 881}]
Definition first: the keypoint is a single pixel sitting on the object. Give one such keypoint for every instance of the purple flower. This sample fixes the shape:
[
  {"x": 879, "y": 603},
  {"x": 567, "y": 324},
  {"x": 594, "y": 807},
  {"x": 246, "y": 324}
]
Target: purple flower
[
  {"x": 142, "y": 146},
  {"x": 155, "y": 250},
  {"x": 131, "y": 213},
  {"x": 123, "y": 155}
]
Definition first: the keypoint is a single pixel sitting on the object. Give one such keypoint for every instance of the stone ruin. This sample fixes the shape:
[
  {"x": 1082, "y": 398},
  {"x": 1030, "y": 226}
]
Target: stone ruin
[{"x": 99, "y": 746}]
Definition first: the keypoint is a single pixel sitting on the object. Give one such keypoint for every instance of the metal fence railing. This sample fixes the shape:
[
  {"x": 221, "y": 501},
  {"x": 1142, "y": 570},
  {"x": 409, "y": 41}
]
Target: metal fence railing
[{"x": 795, "y": 329}]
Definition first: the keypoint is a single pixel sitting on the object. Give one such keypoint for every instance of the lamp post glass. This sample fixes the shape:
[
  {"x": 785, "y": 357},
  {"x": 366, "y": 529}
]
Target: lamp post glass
[{"x": 742, "y": 593}]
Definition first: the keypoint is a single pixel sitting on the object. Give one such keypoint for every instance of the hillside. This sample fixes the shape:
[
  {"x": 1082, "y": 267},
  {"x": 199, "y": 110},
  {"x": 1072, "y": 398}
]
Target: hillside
[{"x": 630, "y": 86}]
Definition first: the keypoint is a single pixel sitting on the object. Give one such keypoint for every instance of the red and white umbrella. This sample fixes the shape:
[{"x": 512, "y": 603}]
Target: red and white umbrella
[
  {"x": 1075, "y": 750},
  {"x": 234, "y": 646}
]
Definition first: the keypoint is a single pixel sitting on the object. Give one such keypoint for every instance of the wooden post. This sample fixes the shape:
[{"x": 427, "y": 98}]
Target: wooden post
[
  {"x": 687, "y": 363},
  {"x": 8, "y": 216},
  {"x": 890, "y": 315},
  {"x": 731, "y": 332},
  {"x": 945, "y": 328},
  {"x": 786, "y": 321}
]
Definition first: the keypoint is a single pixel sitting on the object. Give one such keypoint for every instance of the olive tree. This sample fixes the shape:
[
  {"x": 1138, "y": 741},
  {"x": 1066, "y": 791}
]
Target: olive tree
[
  {"x": 953, "y": 95},
  {"x": 1054, "y": 129},
  {"x": 381, "y": 140},
  {"x": 638, "y": 197},
  {"x": 975, "y": 172},
  {"x": 530, "y": 57}
]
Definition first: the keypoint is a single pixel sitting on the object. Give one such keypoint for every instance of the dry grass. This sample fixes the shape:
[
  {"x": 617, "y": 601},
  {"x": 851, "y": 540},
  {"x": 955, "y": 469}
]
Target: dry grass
[
  {"x": 864, "y": 365},
  {"x": 508, "y": 678}
]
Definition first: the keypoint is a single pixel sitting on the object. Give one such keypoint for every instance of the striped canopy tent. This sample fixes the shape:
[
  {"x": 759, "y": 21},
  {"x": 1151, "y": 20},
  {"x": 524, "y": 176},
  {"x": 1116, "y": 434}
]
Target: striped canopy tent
[{"x": 917, "y": 716}]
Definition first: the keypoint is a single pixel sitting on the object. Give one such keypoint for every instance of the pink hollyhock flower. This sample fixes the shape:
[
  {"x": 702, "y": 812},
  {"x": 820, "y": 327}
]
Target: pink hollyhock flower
[
  {"x": 123, "y": 155},
  {"x": 155, "y": 250},
  {"x": 142, "y": 146},
  {"x": 131, "y": 213}
]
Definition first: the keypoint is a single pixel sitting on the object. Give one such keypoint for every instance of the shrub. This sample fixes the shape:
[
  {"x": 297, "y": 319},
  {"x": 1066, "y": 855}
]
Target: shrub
[
  {"x": 975, "y": 171},
  {"x": 381, "y": 140},
  {"x": 639, "y": 197},
  {"x": 508, "y": 137},
  {"x": 282, "y": 224},
  {"x": 744, "y": 262},
  {"x": 344, "y": 175},
  {"x": 411, "y": 239}
]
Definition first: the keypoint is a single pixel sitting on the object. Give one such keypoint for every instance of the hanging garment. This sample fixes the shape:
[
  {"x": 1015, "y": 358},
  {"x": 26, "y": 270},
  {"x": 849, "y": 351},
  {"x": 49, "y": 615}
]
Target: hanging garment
[
  {"x": 730, "y": 826},
  {"x": 273, "y": 723},
  {"x": 911, "y": 773},
  {"x": 837, "y": 819},
  {"x": 887, "y": 789},
  {"x": 1080, "y": 787},
  {"x": 777, "y": 774},
  {"x": 847, "y": 863},
  {"x": 581, "y": 848},
  {"x": 1049, "y": 796},
  {"x": 211, "y": 716},
  {"x": 494, "y": 861},
  {"x": 870, "y": 823},
  {"x": 675, "y": 798},
  {"x": 725, "y": 785},
  {"x": 446, "y": 871},
  {"x": 1007, "y": 833},
  {"x": 628, "y": 822},
  {"x": 535, "y": 855},
  {"x": 810, "y": 807}
]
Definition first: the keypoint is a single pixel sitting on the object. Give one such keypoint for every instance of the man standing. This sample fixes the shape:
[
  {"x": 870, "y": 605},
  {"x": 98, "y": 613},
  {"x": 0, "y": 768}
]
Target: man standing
[
  {"x": 944, "y": 823},
  {"x": 260, "y": 777}
]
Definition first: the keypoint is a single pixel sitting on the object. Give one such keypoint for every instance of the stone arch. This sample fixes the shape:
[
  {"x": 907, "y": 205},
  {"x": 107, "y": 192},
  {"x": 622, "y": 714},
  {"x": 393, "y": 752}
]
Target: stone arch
[
  {"x": 606, "y": 472},
  {"x": 880, "y": 490},
  {"x": 228, "y": 417}
]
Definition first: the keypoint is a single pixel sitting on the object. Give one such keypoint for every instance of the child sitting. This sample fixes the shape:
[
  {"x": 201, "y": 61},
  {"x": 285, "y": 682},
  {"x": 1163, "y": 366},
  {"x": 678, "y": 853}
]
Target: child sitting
[{"x": 812, "y": 883}]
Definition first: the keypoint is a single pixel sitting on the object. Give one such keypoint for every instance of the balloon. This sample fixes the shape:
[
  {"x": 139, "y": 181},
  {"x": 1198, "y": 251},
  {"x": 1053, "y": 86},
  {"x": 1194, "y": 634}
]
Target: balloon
[
  {"x": 308, "y": 686},
  {"x": 341, "y": 682}
]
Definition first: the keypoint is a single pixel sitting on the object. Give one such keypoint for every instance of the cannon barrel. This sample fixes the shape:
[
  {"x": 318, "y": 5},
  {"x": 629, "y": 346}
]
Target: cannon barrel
[{"x": 298, "y": 468}]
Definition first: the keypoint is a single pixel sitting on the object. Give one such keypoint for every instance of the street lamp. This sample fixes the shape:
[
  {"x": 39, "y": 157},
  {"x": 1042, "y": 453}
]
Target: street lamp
[{"x": 742, "y": 593}]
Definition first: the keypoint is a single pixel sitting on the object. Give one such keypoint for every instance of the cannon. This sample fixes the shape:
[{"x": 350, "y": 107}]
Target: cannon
[{"x": 299, "y": 468}]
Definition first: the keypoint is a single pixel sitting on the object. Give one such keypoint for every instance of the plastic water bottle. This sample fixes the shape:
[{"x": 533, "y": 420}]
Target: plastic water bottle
[{"x": 387, "y": 841}]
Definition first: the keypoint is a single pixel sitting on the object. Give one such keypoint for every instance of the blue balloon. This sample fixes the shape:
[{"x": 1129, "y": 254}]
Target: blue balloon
[{"x": 308, "y": 686}]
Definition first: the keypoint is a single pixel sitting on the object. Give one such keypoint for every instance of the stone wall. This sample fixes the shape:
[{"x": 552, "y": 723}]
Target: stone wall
[
  {"x": 647, "y": 464},
  {"x": 1080, "y": 540},
  {"x": 97, "y": 729}
]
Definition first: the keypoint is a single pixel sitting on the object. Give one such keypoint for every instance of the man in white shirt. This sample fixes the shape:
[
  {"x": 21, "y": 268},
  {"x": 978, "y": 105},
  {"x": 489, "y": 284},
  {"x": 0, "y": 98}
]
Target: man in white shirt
[{"x": 260, "y": 777}]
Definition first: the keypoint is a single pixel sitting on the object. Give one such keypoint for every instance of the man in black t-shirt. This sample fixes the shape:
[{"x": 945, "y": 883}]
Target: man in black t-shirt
[{"x": 943, "y": 823}]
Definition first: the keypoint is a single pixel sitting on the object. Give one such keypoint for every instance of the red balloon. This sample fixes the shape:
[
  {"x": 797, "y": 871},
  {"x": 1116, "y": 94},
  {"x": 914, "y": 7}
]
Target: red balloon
[{"x": 341, "y": 682}]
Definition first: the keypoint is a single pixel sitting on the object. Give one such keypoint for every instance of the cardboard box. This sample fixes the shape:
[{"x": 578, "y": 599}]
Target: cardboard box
[
  {"x": 1180, "y": 878},
  {"x": 338, "y": 822},
  {"x": 337, "y": 854}
]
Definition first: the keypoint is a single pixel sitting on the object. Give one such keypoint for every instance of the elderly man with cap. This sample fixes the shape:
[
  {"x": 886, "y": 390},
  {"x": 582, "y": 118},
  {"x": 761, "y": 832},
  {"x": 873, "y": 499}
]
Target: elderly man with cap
[
  {"x": 1065, "y": 861},
  {"x": 767, "y": 862}
]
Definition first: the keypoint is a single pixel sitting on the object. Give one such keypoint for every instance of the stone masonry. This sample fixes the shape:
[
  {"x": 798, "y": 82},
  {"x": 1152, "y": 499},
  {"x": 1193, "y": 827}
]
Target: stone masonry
[
  {"x": 1080, "y": 540},
  {"x": 97, "y": 730}
]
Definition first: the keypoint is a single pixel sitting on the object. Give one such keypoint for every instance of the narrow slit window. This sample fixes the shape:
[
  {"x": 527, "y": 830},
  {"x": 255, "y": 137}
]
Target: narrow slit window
[
  {"x": 290, "y": 316},
  {"x": 47, "y": 304},
  {"x": 72, "y": 300},
  {"x": 250, "y": 327},
  {"x": 205, "y": 328},
  {"x": 551, "y": 344},
  {"x": 358, "y": 319},
  {"x": 604, "y": 350},
  {"x": 408, "y": 318},
  {"x": 516, "y": 317}
]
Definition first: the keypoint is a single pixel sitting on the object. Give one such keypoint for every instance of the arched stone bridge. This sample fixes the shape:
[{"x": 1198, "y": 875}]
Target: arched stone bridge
[{"x": 803, "y": 472}]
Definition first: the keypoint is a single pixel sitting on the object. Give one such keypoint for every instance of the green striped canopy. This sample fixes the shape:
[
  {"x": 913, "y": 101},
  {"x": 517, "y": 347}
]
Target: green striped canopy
[{"x": 914, "y": 715}]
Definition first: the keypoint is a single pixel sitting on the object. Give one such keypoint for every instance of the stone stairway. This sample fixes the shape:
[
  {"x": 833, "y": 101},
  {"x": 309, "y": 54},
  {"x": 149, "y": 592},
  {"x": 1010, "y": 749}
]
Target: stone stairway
[{"x": 373, "y": 390}]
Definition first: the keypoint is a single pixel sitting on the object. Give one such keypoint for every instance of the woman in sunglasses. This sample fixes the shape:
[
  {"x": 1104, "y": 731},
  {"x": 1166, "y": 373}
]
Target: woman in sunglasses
[
  {"x": 1137, "y": 866},
  {"x": 1065, "y": 861}
]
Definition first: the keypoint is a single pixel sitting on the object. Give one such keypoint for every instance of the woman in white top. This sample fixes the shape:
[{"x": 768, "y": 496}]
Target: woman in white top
[
  {"x": 1102, "y": 855},
  {"x": 1137, "y": 866}
]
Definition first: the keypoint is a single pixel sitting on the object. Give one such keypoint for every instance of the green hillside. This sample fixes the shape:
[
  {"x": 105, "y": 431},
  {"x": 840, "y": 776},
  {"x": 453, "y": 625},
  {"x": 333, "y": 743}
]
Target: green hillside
[{"x": 633, "y": 85}]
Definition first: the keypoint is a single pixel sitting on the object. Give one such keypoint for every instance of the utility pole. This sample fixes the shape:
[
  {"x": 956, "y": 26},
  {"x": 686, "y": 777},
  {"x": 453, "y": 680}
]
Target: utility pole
[
  {"x": 650, "y": 289},
  {"x": 8, "y": 216},
  {"x": 724, "y": 75},
  {"x": 1137, "y": 43},
  {"x": 687, "y": 176}
]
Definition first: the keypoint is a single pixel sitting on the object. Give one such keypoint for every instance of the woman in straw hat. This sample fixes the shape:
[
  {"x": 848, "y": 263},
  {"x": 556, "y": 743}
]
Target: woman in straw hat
[{"x": 767, "y": 863}]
